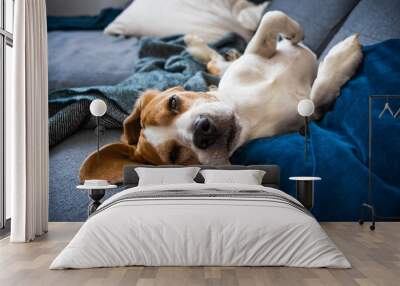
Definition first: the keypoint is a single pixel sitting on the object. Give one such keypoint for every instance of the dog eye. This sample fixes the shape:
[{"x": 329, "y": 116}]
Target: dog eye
[
  {"x": 174, "y": 154},
  {"x": 173, "y": 103}
]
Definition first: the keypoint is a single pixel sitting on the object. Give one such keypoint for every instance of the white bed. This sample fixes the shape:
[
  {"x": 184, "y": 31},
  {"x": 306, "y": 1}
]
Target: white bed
[{"x": 221, "y": 225}]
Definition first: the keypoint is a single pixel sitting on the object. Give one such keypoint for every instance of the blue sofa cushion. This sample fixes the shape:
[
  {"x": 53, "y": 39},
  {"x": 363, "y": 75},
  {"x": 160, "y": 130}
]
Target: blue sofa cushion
[{"x": 320, "y": 19}]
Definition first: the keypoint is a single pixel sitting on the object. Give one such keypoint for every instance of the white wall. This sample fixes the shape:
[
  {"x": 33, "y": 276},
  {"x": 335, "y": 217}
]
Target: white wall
[{"x": 80, "y": 7}]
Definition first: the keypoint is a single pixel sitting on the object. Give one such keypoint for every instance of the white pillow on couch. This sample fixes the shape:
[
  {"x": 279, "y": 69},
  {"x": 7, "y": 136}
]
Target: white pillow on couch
[{"x": 208, "y": 19}]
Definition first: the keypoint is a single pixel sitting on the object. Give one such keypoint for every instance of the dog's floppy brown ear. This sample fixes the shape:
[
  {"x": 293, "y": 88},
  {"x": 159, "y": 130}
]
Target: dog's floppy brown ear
[
  {"x": 109, "y": 166},
  {"x": 131, "y": 125}
]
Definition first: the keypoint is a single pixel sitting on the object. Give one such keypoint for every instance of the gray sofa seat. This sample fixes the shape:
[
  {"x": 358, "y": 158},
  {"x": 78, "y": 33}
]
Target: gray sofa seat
[
  {"x": 87, "y": 58},
  {"x": 375, "y": 20},
  {"x": 66, "y": 203}
]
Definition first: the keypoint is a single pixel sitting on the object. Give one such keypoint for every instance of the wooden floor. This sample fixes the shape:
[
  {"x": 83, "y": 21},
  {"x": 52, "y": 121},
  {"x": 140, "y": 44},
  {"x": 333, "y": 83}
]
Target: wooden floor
[{"x": 375, "y": 257}]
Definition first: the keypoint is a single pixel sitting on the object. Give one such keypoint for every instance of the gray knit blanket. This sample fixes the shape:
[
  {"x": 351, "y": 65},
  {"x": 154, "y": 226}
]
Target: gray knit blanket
[{"x": 163, "y": 63}]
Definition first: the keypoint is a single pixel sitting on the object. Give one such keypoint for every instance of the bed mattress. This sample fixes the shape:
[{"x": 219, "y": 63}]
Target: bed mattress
[
  {"x": 88, "y": 58},
  {"x": 199, "y": 225}
]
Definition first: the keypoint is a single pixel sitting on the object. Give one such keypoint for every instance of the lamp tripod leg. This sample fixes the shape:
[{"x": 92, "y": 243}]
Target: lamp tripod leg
[
  {"x": 305, "y": 137},
  {"x": 98, "y": 138}
]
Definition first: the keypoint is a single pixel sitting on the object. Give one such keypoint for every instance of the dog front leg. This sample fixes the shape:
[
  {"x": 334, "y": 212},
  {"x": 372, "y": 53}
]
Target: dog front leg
[
  {"x": 272, "y": 24},
  {"x": 334, "y": 71}
]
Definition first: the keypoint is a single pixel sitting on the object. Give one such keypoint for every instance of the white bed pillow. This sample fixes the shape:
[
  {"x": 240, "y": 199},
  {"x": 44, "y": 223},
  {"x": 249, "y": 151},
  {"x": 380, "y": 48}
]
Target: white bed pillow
[
  {"x": 164, "y": 176},
  {"x": 247, "y": 177},
  {"x": 208, "y": 19}
]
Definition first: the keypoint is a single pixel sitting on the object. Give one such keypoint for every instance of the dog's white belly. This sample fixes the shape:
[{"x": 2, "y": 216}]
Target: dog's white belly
[{"x": 265, "y": 92}]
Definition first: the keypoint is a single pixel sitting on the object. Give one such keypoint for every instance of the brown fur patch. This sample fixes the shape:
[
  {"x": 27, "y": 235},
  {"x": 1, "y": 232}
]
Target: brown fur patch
[
  {"x": 184, "y": 155},
  {"x": 212, "y": 68},
  {"x": 132, "y": 125},
  {"x": 110, "y": 164}
]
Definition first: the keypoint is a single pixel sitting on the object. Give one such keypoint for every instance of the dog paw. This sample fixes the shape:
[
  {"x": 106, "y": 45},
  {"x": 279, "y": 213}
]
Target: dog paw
[
  {"x": 343, "y": 59},
  {"x": 198, "y": 48},
  {"x": 283, "y": 24},
  {"x": 295, "y": 33},
  {"x": 212, "y": 68},
  {"x": 232, "y": 55},
  {"x": 336, "y": 69},
  {"x": 193, "y": 39},
  {"x": 346, "y": 52}
]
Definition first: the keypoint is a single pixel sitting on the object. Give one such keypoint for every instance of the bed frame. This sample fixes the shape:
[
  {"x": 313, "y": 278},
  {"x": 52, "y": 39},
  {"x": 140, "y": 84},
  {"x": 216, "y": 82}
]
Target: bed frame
[
  {"x": 271, "y": 177},
  {"x": 131, "y": 178}
]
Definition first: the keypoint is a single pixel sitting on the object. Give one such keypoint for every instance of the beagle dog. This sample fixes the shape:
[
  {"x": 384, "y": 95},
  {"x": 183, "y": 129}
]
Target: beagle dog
[{"x": 257, "y": 97}]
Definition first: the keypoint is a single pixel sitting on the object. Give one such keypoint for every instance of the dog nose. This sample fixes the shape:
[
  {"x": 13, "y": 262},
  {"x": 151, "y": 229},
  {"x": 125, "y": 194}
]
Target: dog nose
[{"x": 205, "y": 133}]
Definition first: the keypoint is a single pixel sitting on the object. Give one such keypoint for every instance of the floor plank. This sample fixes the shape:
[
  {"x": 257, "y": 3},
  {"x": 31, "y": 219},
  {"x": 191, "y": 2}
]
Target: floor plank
[{"x": 375, "y": 257}]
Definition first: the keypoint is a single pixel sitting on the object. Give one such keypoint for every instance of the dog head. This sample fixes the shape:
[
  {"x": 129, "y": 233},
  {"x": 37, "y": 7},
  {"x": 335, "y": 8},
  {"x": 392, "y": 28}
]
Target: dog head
[{"x": 172, "y": 127}]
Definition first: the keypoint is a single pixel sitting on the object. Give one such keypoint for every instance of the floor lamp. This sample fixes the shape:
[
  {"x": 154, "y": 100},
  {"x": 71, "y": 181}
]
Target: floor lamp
[
  {"x": 98, "y": 108},
  {"x": 306, "y": 108}
]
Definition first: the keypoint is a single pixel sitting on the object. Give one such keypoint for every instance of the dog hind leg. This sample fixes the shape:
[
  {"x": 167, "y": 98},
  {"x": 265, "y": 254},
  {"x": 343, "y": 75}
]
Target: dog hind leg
[
  {"x": 272, "y": 24},
  {"x": 216, "y": 63},
  {"x": 199, "y": 49},
  {"x": 334, "y": 71}
]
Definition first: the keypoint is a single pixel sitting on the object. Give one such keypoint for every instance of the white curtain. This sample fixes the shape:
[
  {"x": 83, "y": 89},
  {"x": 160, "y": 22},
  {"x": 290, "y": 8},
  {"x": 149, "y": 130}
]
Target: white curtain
[{"x": 26, "y": 124}]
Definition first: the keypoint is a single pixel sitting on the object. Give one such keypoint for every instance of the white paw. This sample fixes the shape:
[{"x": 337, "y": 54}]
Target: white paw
[
  {"x": 295, "y": 32},
  {"x": 199, "y": 49},
  {"x": 335, "y": 70},
  {"x": 282, "y": 23},
  {"x": 345, "y": 56},
  {"x": 193, "y": 39}
]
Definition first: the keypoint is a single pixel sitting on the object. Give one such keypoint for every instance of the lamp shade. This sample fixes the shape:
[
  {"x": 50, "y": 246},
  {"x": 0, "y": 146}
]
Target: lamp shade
[
  {"x": 305, "y": 107},
  {"x": 98, "y": 107}
]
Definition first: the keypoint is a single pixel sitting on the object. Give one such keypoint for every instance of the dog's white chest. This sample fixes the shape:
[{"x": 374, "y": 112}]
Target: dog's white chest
[{"x": 264, "y": 92}]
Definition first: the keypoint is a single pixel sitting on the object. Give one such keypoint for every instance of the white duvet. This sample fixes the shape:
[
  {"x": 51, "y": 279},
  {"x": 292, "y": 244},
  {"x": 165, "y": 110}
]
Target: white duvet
[{"x": 183, "y": 231}]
